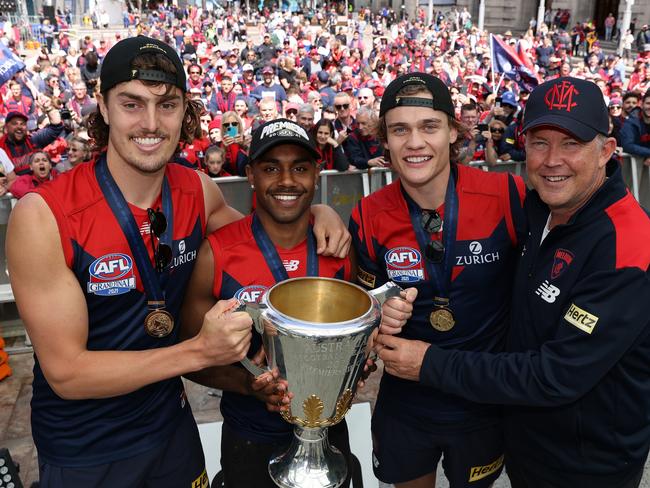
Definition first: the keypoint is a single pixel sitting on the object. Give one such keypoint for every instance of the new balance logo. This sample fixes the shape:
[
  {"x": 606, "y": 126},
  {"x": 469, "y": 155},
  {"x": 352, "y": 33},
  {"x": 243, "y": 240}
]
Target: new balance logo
[{"x": 548, "y": 292}]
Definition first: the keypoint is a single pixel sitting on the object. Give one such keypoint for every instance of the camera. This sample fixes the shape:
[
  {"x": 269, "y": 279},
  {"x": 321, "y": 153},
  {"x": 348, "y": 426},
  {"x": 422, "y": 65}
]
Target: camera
[
  {"x": 482, "y": 127},
  {"x": 65, "y": 114},
  {"x": 497, "y": 102}
]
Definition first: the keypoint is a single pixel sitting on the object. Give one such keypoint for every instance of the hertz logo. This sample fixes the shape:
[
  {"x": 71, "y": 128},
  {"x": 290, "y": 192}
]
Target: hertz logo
[
  {"x": 479, "y": 472},
  {"x": 582, "y": 319}
]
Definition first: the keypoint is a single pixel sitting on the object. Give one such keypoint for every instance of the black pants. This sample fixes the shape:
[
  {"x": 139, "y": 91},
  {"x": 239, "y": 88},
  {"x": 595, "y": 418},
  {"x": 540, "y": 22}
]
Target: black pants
[
  {"x": 245, "y": 463},
  {"x": 520, "y": 478}
]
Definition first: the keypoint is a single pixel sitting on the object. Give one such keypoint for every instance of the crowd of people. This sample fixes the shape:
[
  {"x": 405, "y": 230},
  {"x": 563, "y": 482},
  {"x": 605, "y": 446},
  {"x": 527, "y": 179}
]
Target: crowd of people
[
  {"x": 523, "y": 339},
  {"x": 328, "y": 75}
]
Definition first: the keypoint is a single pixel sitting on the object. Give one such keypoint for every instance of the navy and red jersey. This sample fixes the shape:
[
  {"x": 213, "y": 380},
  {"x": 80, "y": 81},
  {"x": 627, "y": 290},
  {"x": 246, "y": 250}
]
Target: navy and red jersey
[
  {"x": 73, "y": 433},
  {"x": 241, "y": 271},
  {"x": 489, "y": 226},
  {"x": 576, "y": 377}
]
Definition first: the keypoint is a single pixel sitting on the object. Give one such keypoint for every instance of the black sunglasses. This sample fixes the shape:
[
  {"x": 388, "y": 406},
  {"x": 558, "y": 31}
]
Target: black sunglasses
[
  {"x": 431, "y": 222},
  {"x": 343, "y": 106},
  {"x": 162, "y": 253},
  {"x": 195, "y": 72},
  {"x": 230, "y": 124},
  {"x": 496, "y": 130}
]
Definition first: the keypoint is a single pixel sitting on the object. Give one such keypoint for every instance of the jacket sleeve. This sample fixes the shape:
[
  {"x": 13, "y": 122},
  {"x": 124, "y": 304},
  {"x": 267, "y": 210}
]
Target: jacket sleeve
[
  {"x": 369, "y": 274},
  {"x": 46, "y": 135},
  {"x": 566, "y": 366},
  {"x": 630, "y": 139},
  {"x": 341, "y": 162},
  {"x": 355, "y": 152},
  {"x": 509, "y": 145}
]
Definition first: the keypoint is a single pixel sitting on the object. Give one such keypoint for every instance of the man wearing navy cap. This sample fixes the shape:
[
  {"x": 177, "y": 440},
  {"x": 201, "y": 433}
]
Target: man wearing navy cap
[
  {"x": 276, "y": 243},
  {"x": 576, "y": 377},
  {"x": 451, "y": 232},
  {"x": 119, "y": 238}
]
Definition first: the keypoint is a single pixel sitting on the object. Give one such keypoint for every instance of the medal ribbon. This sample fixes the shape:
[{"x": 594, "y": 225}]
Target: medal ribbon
[
  {"x": 152, "y": 282},
  {"x": 440, "y": 277},
  {"x": 272, "y": 258}
]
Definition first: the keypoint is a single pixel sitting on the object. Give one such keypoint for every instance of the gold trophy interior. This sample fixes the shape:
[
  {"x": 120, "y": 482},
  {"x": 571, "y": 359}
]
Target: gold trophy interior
[{"x": 319, "y": 300}]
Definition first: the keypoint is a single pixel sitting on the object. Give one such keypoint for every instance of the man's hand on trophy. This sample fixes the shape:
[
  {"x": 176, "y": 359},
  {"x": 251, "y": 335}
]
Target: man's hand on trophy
[
  {"x": 270, "y": 389},
  {"x": 396, "y": 311},
  {"x": 402, "y": 357},
  {"x": 225, "y": 336}
]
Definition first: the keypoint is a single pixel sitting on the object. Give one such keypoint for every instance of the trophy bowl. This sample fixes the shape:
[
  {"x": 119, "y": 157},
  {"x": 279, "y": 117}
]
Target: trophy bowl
[{"x": 316, "y": 331}]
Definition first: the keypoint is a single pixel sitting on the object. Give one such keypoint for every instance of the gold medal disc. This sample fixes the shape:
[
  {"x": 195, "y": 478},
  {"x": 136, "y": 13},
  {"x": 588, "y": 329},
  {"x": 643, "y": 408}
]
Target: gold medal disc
[
  {"x": 442, "y": 319},
  {"x": 159, "y": 323}
]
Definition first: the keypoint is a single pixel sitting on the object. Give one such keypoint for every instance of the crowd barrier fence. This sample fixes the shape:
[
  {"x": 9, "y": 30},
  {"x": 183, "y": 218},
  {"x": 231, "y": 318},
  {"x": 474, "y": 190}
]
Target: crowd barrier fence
[{"x": 341, "y": 191}]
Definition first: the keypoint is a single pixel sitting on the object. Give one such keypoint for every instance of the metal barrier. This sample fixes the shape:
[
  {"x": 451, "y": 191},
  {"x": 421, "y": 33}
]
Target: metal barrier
[{"x": 342, "y": 191}]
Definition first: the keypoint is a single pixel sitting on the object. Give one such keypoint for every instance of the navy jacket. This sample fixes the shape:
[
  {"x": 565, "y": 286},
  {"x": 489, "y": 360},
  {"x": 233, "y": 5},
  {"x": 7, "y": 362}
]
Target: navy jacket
[
  {"x": 635, "y": 136},
  {"x": 577, "y": 376}
]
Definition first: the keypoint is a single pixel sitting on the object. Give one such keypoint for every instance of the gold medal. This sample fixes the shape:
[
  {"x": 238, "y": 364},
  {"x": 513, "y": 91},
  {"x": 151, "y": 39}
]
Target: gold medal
[
  {"x": 159, "y": 323},
  {"x": 442, "y": 319}
]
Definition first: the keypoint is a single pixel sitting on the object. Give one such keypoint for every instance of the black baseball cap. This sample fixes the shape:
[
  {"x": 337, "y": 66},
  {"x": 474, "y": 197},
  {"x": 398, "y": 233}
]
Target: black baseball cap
[
  {"x": 568, "y": 103},
  {"x": 280, "y": 131},
  {"x": 116, "y": 67},
  {"x": 13, "y": 114},
  {"x": 441, "y": 97}
]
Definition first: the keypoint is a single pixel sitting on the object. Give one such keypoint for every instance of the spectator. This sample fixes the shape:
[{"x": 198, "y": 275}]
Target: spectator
[
  {"x": 234, "y": 143},
  {"x": 362, "y": 145},
  {"x": 269, "y": 88},
  {"x": 40, "y": 171},
  {"x": 366, "y": 98},
  {"x": 223, "y": 99},
  {"x": 630, "y": 104},
  {"x": 17, "y": 102},
  {"x": 90, "y": 71},
  {"x": 610, "y": 23},
  {"x": 214, "y": 162},
  {"x": 327, "y": 94},
  {"x": 19, "y": 145},
  {"x": 635, "y": 134},
  {"x": 78, "y": 152},
  {"x": 495, "y": 142},
  {"x": 305, "y": 116},
  {"x": 331, "y": 153}
]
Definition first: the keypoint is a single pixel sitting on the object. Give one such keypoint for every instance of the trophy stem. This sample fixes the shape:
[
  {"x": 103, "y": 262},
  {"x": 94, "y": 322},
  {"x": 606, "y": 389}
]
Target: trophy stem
[{"x": 310, "y": 462}]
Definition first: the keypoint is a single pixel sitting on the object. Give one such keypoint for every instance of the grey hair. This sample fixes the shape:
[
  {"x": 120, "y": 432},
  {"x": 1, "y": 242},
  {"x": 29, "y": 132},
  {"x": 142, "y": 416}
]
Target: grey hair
[
  {"x": 306, "y": 108},
  {"x": 368, "y": 112}
]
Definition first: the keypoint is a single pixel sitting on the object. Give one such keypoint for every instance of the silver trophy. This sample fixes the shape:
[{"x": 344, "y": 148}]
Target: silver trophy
[{"x": 315, "y": 331}]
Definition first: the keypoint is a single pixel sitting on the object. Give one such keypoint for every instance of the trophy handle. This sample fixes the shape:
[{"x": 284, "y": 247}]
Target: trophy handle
[
  {"x": 255, "y": 311},
  {"x": 386, "y": 291}
]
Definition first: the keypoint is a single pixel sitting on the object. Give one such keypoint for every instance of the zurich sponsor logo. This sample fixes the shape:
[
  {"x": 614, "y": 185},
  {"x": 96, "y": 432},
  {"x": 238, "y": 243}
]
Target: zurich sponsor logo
[
  {"x": 251, "y": 293},
  {"x": 111, "y": 274},
  {"x": 404, "y": 264}
]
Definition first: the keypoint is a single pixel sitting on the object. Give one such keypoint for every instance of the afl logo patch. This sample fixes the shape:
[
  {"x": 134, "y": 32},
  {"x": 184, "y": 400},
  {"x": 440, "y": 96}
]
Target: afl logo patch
[
  {"x": 251, "y": 293},
  {"x": 111, "y": 274},
  {"x": 404, "y": 264}
]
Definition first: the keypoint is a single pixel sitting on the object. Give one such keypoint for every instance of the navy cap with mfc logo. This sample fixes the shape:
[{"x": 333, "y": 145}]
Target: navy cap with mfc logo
[
  {"x": 441, "y": 97},
  {"x": 116, "y": 67},
  {"x": 574, "y": 105},
  {"x": 281, "y": 131}
]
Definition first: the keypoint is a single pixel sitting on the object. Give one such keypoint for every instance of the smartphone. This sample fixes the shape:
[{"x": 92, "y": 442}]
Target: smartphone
[
  {"x": 231, "y": 131},
  {"x": 497, "y": 102},
  {"x": 482, "y": 127}
]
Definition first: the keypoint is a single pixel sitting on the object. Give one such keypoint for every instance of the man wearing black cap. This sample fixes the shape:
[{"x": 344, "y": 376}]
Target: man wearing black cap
[
  {"x": 19, "y": 144},
  {"x": 276, "y": 243},
  {"x": 576, "y": 378},
  {"x": 451, "y": 232},
  {"x": 119, "y": 238}
]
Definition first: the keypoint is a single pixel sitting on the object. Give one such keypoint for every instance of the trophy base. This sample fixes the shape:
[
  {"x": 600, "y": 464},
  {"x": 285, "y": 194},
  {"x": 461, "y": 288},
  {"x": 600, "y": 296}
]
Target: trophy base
[{"x": 310, "y": 462}]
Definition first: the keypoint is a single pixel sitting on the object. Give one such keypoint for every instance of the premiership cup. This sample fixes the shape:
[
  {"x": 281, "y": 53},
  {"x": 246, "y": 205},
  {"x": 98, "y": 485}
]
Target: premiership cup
[{"x": 316, "y": 331}]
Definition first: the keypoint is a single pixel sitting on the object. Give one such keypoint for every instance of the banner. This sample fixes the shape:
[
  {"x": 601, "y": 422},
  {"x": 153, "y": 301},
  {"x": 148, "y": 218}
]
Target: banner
[
  {"x": 10, "y": 64},
  {"x": 506, "y": 60}
]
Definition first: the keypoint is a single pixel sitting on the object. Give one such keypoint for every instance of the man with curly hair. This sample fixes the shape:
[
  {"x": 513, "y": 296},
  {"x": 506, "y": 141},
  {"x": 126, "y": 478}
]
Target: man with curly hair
[{"x": 112, "y": 247}]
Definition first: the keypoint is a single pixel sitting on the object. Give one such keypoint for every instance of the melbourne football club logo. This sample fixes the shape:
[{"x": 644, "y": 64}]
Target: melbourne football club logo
[
  {"x": 111, "y": 274},
  {"x": 404, "y": 265},
  {"x": 251, "y": 293},
  {"x": 561, "y": 261}
]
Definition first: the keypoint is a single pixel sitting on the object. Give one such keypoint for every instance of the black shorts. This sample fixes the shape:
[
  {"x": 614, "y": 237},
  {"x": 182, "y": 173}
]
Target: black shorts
[
  {"x": 246, "y": 463},
  {"x": 472, "y": 456},
  {"x": 177, "y": 463}
]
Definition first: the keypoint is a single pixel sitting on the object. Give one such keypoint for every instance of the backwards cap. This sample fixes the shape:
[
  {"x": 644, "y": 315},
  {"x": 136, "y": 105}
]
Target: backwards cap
[
  {"x": 568, "y": 103},
  {"x": 117, "y": 65},
  {"x": 441, "y": 97}
]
